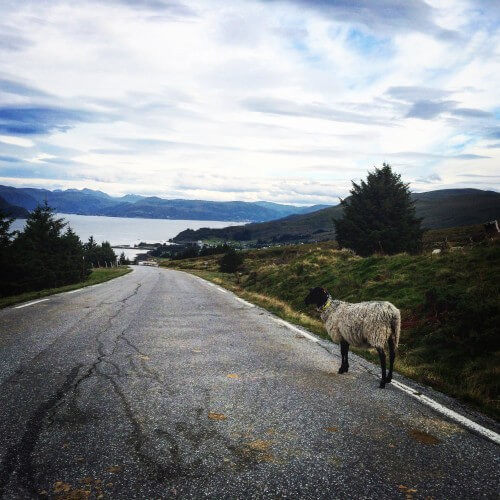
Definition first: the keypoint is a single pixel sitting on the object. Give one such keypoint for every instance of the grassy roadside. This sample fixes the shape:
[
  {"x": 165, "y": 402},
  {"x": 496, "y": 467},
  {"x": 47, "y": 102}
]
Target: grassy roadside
[
  {"x": 450, "y": 305},
  {"x": 99, "y": 275}
]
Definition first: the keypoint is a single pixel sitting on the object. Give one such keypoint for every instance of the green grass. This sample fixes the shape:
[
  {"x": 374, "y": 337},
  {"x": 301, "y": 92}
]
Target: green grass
[
  {"x": 450, "y": 305},
  {"x": 99, "y": 275}
]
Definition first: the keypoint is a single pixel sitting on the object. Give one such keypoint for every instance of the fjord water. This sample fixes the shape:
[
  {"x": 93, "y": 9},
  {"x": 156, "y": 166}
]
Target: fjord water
[{"x": 128, "y": 231}]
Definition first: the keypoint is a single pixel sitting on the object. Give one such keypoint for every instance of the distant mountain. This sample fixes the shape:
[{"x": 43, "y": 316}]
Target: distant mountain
[
  {"x": 18, "y": 197},
  {"x": 439, "y": 209},
  {"x": 132, "y": 198},
  {"x": 286, "y": 210},
  {"x": 159, "y": 208},
  {"x": 71, "y": 201},
  {"x": 90, "y": 202},
  {"x": 12, "y": 210}
]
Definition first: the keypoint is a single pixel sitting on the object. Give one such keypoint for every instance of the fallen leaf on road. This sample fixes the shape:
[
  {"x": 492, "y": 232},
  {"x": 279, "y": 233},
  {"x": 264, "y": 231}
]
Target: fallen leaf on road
[
  {"x": 196, "y": 350},
  {"x": 259, "y": 445},
  {"x": 216, "y": 416},
  {"x": 299, "y": 336},
  {"x": 331, "y": 429},
  {"x": 114, "y": 469},
  {"x": 61, "y": 487},
  {"x": 232, "y": 375},
  {"x": 423, "y": 437},
  {"x": 145, "y": 358}
]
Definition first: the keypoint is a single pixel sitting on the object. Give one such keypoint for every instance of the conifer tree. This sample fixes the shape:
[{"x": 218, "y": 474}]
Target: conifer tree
[{"x": 379, "y": 216}]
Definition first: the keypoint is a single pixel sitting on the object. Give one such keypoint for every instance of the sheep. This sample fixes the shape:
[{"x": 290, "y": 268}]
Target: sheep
[
  {"x": 365, "y": 324},
  {"x": 436, "y": 251}
]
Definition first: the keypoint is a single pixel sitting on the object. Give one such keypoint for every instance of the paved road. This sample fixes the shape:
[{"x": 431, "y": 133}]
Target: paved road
[{"x": 157, "y": 385}]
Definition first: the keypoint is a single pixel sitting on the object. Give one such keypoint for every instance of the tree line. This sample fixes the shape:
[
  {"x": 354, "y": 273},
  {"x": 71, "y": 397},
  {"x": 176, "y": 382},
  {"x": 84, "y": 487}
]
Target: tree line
[{"x": 47, "y": 253}]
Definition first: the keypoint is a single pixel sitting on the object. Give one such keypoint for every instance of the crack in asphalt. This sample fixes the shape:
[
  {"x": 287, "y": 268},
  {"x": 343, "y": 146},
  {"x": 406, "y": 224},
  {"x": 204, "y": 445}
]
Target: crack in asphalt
[
  {"x": 18, "y": 455},
  {"x": 18, "y": 458}
]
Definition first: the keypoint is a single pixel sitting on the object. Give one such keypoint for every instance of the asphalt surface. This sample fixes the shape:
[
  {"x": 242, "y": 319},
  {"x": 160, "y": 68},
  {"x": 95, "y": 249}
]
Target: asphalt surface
[{"x": 158, "y": 385}]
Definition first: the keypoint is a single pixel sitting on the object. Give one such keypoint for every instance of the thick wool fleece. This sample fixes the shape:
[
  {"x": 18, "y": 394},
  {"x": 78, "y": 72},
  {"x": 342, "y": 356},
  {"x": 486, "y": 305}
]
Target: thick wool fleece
[{"x": 362, "y": 324}]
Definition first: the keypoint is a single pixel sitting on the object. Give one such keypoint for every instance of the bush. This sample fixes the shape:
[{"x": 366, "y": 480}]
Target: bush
[{"x": 231, "y": 261}]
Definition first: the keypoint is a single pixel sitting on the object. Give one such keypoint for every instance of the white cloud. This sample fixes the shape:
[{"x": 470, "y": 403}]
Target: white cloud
[{"x": 166, "y": 96}]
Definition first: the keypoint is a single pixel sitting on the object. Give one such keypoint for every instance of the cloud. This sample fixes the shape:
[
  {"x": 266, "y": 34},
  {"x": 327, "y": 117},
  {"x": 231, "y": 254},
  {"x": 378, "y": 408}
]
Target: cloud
[
  {"x": 430, "y": 179},
  {"x": 13, "y": 87},
  {"x": 125, "y": 91},
  {"x": 12, "y": 40},
  {"x": 383, "y": 15},
  {"x": 27, "y": 120},
  {"x": 434, "y": 156},
  {"x": 412, "y": 93},
  {"x": 16, "y": 141},
  {"x": 170, "y": 7},
  {"x": 9, "y": 159},
  {"x": 471, "y": 113},
  {"x": 427, "y": 110},
  {"x": 311, "y": 110}
]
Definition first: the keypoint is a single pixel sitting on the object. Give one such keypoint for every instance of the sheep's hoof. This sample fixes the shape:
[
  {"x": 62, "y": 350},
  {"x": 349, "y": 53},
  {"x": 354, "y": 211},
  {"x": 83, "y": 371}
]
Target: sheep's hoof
[
  {"x": 343, "y": 369},
  {"x": 382, "y": 384}
]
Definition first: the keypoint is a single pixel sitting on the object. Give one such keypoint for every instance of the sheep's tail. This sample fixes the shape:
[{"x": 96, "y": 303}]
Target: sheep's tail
[{"x": 396, "y": 327}]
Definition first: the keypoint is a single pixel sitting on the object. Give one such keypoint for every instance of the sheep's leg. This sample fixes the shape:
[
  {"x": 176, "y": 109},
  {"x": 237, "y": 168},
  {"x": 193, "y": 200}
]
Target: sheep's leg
[
  {"x": 381, "y": 354},
  {"x": 392, "y": 357},
  {"x": 344, "y": 351}
]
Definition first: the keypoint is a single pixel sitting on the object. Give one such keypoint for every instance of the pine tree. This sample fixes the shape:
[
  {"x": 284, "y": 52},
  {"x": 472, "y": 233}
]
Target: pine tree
[
  {"x": 379, "y": 216},
  {"x": 5, "y": 246},
  {"x": 41, "y": 256}
]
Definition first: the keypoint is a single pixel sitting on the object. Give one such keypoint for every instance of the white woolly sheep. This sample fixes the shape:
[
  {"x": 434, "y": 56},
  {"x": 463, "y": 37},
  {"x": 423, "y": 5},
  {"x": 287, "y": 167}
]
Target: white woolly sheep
[{"x": 365, "y": 324}]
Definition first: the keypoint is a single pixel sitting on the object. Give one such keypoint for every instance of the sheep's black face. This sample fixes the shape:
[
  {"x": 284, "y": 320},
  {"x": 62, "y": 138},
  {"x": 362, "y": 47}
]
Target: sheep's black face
[{"x": 317, "y": 296}]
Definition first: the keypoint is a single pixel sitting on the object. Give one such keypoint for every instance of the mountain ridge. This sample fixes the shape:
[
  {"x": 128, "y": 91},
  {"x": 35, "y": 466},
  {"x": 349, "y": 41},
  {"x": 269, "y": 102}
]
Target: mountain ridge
[
  {"x": 89, "y": 202},
  {"x": 438, "y": 209}
]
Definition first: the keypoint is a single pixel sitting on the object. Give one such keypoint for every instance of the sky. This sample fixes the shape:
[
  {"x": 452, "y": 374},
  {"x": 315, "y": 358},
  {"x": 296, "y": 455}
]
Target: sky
[{"x": 277, "y": 100}]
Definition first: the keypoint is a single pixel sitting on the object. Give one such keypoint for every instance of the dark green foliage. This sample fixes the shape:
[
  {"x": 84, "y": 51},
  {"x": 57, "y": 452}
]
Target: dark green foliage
[
  {"x": 46, "y": 254},
  {"x": 99, "y": 255},
  {"x": 42, "y": 256},
  {"x": 122, "y": 260},
  {"x": 5, "y": 234},
  {"x": 231, "y": 261},
  {"x": 179, "y": 252},
  {"x": 5, "y": 244},
  {"x": 379, "y": 216}
]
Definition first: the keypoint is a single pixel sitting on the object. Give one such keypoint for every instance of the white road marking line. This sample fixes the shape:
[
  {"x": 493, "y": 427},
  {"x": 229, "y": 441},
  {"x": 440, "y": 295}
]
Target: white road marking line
[
  {"x": 295, "y": 329},
  {"x": 74, "y": 291},
  {"x": 464, "y": 421},
  {"x": 244, "y": 302},
  {"x": 221, "y": 289},
  {"x": 30, "y": 303}
]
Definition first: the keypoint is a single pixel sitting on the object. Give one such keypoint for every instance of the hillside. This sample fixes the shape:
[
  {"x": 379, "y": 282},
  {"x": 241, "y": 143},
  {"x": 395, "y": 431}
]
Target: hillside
[
  {"x": 439, "y": 209},
  {"x": 12, "y": 210},
  {"x": 90, "y": 202},
  {"x": 450, "y": 304}
]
